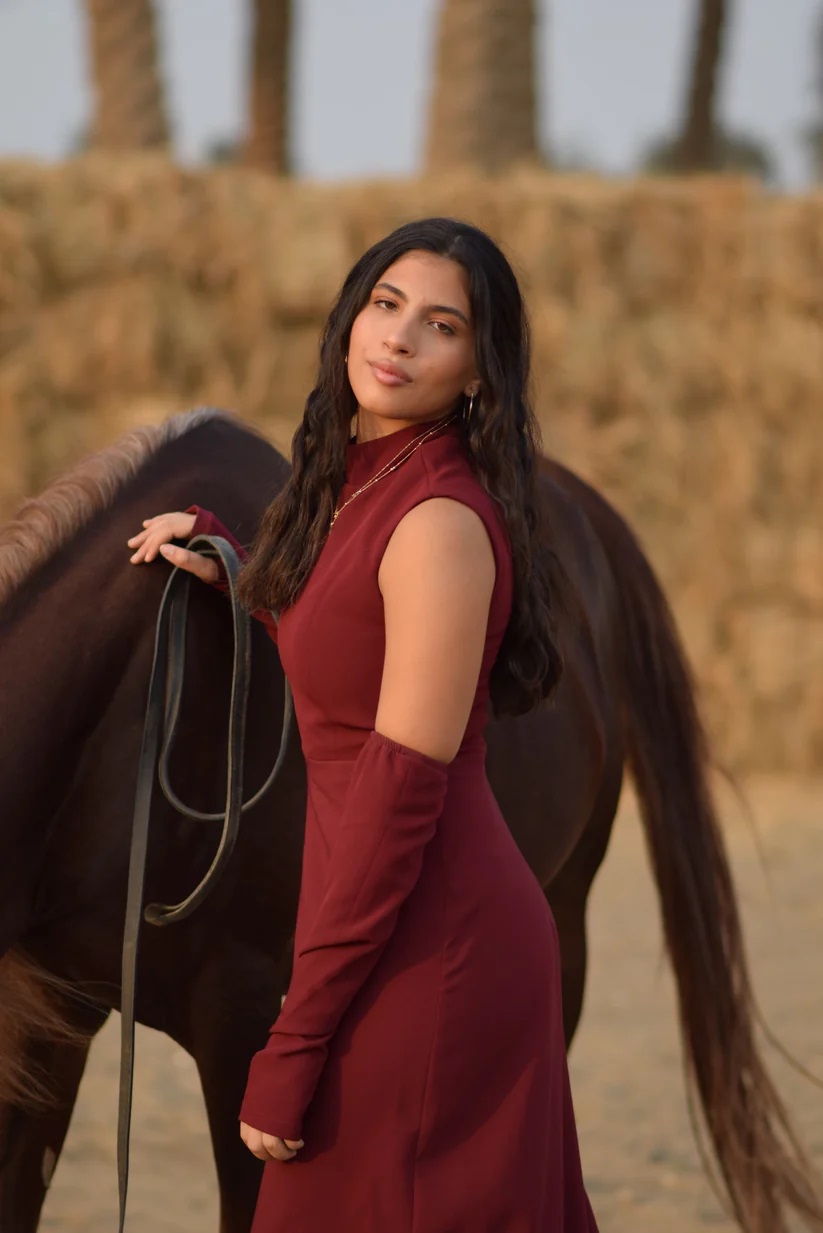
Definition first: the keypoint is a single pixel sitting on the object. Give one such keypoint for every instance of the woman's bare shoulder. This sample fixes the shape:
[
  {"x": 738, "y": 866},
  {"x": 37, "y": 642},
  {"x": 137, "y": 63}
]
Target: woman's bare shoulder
[{"x": 438, "y": 536}]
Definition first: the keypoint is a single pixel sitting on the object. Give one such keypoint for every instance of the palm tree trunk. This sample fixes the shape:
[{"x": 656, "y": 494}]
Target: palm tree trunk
[
  {"x": 815, "y": 134},
  {"x": 482, "y": 108},
  {"x": 696, "y": 149},
  {"x": 267, "y": 141},
  {"x": 129, "y": 103}
]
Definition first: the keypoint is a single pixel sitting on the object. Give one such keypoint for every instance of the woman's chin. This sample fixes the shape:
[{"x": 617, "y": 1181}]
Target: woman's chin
[{"x": 387, "y": 403}]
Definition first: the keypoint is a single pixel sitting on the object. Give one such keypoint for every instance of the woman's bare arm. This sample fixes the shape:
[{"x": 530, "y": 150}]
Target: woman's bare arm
[{"x": 436, "y": 576}]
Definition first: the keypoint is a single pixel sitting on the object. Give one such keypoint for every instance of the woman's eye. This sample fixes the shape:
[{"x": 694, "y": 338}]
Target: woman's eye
[{"x": 443, "y": 327}]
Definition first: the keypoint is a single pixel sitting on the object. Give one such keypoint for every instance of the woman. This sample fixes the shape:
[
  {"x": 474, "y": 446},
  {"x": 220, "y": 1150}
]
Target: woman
[{"x": 416, "y": 1076}]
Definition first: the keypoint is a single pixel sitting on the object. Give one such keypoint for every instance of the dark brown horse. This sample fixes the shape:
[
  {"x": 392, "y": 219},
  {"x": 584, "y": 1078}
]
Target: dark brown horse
[{"x": 76, "y": 633}]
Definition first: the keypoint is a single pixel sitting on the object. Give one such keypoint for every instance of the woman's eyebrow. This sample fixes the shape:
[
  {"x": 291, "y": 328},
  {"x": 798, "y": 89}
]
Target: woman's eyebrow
[{"x": 436, "y": 308}]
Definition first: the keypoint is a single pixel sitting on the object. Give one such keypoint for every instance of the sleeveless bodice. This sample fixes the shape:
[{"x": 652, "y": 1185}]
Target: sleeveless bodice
[{"x": 332, "y": 639}]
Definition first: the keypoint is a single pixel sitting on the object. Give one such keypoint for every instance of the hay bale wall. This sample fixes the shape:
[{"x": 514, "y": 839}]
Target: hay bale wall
[{"x": 678, "y": 365}]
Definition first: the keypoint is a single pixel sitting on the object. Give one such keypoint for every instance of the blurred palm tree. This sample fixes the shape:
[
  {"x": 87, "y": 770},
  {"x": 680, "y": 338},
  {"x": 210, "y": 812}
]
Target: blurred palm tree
[
  {"x": 697, "y": 147},
  {"x": 734, "y": 152},
  {"x": 129, "y": 101},
  {"x": 267, "y": 143},
  {"x": 813, "y": 134},
  {"x": 703, "y": 144},
  {"x": 482, "y": 107}
]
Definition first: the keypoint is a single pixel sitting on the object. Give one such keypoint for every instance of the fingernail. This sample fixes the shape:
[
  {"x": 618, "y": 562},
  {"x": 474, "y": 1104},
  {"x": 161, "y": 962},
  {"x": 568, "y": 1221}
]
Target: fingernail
[{"x": 166, "y": 549}]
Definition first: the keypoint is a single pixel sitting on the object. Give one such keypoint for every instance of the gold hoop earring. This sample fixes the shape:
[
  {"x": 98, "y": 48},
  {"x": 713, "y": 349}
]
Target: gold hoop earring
[{"x": 467, "y": 413}]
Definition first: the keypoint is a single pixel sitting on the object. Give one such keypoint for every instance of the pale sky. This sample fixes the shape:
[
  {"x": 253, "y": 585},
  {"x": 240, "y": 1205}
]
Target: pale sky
[{"x": 611, "y": 77}]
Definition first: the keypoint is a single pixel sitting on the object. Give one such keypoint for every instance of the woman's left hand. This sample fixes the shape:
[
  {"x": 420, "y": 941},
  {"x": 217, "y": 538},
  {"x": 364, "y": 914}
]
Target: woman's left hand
[{"x": 269, "y": 1147}]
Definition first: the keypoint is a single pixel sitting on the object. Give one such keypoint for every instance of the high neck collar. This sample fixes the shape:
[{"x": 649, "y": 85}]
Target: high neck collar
[{"x": 365, "y": 458}]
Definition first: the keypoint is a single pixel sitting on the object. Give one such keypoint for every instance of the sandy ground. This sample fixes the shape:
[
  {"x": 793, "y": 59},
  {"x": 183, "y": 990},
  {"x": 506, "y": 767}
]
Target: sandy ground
[{"x": 641, "y": 1165}]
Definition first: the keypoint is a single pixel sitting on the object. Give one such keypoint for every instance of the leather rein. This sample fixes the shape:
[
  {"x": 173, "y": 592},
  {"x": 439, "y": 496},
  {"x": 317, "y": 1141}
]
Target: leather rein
[{"x": 159, "y": 731}]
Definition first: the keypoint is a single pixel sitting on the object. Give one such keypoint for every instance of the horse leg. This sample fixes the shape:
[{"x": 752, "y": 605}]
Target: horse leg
[
  {"x": 569, "y": 910},
  {"x": 31, "y": 1138},
  {"x": 222, "y": 1046},
  {"x": 568, "y": 893}
]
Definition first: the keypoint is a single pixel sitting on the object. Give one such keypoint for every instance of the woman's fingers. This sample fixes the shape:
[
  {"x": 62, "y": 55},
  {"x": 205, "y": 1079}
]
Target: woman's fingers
[
  {"x": 149, "y": 524},
  {"x": 256, "y": 1148},
  {"x": 253, "y": 1140},
  {"x": 276, "y": 1147},
  {"x": 137, "y": 543},
  {"x": 269, "y": 1147},
  {"x": 148, "y": 545},
  {"x": 200, "y": 566},
  {"x": 158, "y": 531},
  {"x": 140, "y": 552},
  {"x": 170, "y": 524}
]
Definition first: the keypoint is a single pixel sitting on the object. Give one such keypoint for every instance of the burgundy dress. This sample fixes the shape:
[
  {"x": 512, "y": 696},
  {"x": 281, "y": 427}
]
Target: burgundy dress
[{"x": 420, "y": 1049}]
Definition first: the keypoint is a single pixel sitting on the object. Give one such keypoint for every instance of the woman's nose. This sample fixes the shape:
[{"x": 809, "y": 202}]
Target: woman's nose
[{"x": 398, "y": 337}]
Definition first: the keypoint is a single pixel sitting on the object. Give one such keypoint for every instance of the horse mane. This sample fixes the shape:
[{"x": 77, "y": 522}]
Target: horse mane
[{"x": 43, "y": 524}]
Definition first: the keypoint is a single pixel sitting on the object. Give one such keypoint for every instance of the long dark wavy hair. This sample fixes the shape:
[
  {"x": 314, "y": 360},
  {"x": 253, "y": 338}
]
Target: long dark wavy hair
[{"x": 502, "y": 440}]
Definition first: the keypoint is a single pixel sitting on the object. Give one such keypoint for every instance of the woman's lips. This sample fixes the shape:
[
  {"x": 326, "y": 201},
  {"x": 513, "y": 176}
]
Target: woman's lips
[{"x": 387, "y": 374}]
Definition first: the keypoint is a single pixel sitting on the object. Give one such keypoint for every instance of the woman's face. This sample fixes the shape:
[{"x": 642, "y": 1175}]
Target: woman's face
[{"x": 411, "y": 348}]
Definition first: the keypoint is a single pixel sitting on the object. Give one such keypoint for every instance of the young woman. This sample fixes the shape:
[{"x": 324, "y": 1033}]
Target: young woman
[{"x": 416, "y": 1076}]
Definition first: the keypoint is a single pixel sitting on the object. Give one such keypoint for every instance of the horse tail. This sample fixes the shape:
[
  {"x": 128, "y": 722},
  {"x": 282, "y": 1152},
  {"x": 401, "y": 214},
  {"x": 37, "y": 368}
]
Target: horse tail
[
  {"x": 761, "y": 1161},
  {"x": 32, "y": 1007}
]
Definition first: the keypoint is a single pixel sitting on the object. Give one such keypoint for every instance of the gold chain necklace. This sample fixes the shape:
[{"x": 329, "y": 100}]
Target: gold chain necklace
[{"x": 391, "y": 465}]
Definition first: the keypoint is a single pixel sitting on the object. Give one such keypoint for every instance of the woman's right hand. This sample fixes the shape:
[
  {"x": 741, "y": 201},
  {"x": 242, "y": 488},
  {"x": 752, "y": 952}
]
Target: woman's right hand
[{"x": 156, "y": 536}]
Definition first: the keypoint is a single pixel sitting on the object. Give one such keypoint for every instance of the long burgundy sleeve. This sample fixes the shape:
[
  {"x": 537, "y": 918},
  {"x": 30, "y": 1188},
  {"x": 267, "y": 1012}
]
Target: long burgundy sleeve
[
  {"x": 393, "y": 802},
  {"x": 207, "y": 523}
]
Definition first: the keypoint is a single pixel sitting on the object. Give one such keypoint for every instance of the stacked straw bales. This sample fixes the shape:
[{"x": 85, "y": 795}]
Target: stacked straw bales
[{"x": 678, "y": 365}]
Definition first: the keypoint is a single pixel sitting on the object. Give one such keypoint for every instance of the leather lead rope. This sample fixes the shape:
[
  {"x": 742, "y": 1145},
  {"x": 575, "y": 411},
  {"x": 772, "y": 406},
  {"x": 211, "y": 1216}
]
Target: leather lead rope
[{"x": 162, "y": 715}]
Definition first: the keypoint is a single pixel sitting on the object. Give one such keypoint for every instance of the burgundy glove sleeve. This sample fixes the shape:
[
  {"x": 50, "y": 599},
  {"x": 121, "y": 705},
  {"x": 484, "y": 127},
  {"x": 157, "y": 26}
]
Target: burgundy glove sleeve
[
  {"x": 205, "y": 523},
  {"x": 394, "y": 800}
]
